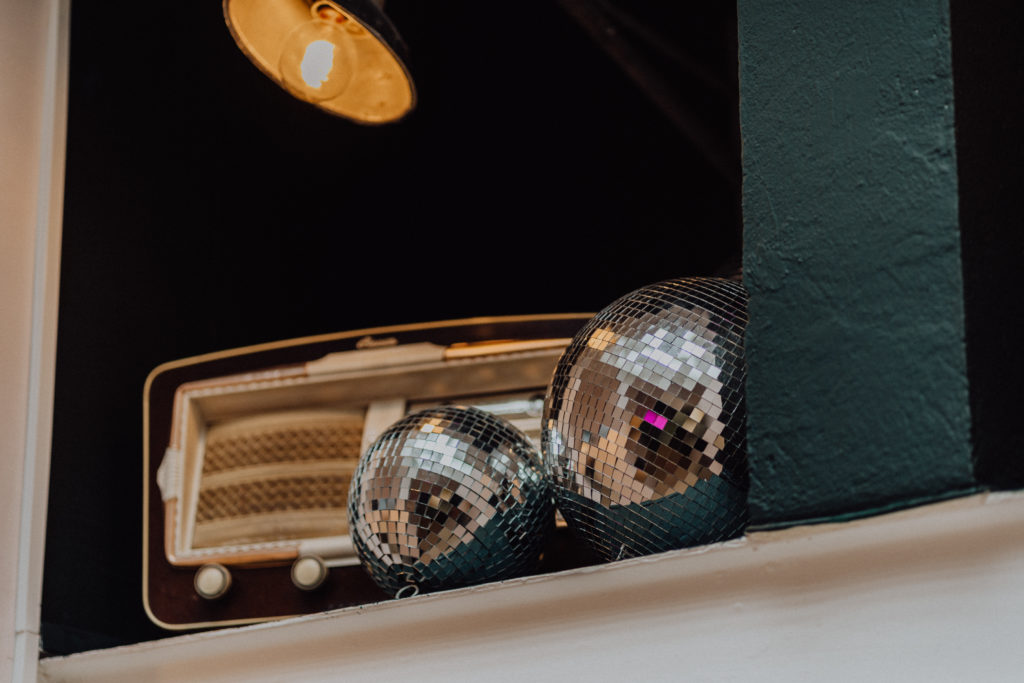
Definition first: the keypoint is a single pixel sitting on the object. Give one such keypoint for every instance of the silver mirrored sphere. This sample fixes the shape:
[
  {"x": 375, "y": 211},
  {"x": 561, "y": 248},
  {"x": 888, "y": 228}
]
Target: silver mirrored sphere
[
  {"x": 446, "y": 497},
  {"x": 644, "y": 423}
]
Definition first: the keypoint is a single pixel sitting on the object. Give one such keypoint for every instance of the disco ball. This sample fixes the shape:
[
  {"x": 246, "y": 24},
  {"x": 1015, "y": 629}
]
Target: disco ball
[
  {"x": 644, "y": 438},
  {"x": 446, "y": 497}
]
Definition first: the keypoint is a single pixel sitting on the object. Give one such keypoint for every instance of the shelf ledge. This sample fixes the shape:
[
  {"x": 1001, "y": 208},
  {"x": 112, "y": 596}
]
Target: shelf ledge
[{"x": 933, "y": 590}]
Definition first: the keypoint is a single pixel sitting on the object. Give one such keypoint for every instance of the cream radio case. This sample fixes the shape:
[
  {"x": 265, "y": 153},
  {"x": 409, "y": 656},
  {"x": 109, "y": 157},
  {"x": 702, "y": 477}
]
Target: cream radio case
[{"x": 248, "y": 455}]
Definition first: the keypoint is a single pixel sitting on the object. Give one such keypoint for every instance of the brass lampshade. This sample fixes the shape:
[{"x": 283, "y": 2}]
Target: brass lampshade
[{"x": 344, "y": 56}]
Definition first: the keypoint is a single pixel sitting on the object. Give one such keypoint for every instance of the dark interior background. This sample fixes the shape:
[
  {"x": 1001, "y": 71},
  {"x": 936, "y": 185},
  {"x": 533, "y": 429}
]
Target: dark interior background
[
  {"x": 988, "y": 80},
  {"x": 206, "y": 209}
]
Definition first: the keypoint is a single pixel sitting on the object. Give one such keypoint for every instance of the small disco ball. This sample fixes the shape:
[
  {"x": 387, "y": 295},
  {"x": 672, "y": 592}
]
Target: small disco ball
[
  {"x": 446, "y": 497},
  {"x": 644, "y": 437}
]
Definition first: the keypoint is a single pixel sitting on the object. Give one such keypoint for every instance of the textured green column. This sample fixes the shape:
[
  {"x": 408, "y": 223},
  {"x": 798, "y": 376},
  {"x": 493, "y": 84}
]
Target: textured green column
[{"x": 857, "y": 378}]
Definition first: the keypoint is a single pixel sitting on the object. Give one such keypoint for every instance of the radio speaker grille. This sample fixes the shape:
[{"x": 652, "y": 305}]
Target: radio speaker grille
[{"x": 277, "y": 477}]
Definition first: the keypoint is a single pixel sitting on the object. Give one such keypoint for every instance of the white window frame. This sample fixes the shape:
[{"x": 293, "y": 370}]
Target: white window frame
[{"x": 33, "y": 124}]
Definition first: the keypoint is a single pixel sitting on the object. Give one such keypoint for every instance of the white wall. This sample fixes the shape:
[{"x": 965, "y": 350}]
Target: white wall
[{"x": 33, "y": 58}]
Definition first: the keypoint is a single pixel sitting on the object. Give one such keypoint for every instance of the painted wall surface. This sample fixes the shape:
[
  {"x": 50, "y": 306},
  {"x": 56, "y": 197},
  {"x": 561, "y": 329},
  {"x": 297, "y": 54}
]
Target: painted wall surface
[{"x": 857, "y": 382}]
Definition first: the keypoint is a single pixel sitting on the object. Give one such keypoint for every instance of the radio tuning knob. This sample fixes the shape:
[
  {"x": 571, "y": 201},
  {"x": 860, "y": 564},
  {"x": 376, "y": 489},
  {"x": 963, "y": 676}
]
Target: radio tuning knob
[
  {"x": 212, "y": 581},
  {"x": 308, "y": 572}
]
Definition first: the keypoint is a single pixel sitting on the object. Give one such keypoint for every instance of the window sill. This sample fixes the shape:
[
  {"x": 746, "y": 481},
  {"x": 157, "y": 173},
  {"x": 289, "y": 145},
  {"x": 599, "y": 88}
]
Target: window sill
[{"x": 936, "y": 590}]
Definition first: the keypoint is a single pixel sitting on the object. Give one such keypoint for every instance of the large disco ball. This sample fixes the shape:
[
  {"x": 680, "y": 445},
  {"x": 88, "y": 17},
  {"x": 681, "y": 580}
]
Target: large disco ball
[
  {"x": 644, "y": 436},
  {"x": 446, "y": 497}
]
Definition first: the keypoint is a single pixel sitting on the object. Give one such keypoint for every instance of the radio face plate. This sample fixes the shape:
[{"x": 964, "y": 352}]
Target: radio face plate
[{"x": 249, "y": 469}]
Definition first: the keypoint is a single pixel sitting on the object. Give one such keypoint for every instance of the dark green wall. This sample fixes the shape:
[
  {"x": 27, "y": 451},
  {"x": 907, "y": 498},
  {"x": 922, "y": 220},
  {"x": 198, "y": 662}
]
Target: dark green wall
[{"x": 857, "y": 374}]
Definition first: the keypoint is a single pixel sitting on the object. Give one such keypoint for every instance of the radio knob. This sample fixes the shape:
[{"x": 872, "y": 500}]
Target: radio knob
[
  {"x": 212, "y": 581},
  {"x": 308, "y": 572}
]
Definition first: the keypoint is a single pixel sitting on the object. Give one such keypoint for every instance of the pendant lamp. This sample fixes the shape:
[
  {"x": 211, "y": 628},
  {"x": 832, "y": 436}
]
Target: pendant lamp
[{"x": 343, "y": 56}]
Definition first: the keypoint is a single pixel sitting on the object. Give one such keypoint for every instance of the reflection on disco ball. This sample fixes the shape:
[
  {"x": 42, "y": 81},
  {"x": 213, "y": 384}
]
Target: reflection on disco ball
[
  {"x": 446, "y": 497},
  {"x": 644, "y": 436}
]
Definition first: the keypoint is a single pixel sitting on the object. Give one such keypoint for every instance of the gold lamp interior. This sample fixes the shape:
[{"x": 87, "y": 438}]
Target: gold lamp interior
[{"x": 381, "y": 89}]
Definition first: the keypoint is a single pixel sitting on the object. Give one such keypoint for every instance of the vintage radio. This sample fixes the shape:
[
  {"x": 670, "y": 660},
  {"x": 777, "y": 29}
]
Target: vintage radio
[{"x": 248, "y": 455}]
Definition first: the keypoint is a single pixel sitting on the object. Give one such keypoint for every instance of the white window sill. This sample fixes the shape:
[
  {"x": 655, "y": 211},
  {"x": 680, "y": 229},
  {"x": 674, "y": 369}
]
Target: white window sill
[{"x": 932, "y": 593}]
